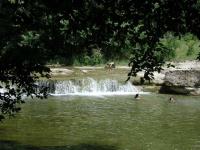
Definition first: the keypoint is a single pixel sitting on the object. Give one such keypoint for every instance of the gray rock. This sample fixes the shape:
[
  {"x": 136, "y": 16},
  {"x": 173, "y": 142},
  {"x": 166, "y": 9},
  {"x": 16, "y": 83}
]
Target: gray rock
[
  {"x": 182, "y": 82},
  {"x": 185, "y": 78},
  {"x": 61, "y": 71}
]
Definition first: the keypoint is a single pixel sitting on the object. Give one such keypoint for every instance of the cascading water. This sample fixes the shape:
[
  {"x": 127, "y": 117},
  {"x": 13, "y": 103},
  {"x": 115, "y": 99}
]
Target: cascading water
[{"x": 89, "y": 86}]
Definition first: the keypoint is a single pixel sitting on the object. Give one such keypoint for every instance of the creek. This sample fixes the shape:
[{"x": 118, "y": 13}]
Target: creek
[{"x": 92, "y": 115}]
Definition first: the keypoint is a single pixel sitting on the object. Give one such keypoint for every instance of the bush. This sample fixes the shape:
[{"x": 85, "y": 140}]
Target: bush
[
  {"x": 183, "y": 47},
  {"x": 94, "y": 58},
  {"x": 97, "y": 57}
]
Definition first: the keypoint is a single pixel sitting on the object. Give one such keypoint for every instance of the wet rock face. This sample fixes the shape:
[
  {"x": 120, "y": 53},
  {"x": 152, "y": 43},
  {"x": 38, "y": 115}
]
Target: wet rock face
[{"x": 185, "y": 78}]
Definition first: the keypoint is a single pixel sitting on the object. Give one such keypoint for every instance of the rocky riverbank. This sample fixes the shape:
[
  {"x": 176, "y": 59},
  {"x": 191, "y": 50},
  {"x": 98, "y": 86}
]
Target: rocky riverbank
[{"x": 184, "y": 78}]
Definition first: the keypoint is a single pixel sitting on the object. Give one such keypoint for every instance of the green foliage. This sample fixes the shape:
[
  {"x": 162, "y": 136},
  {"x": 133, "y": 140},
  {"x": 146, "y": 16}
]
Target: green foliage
[
  {"x": 184, "y": 47},
  {"x": 30, "y": 39},
  {"x": 97, "y": 57},
  {"x": 169, "y": 41},
  {"x": 94, "y": 58},
  {"x": 85, "y": 60}
]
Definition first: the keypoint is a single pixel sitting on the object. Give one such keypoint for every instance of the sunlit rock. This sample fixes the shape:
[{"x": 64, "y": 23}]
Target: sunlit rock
[{"x": 182, "y": 82}]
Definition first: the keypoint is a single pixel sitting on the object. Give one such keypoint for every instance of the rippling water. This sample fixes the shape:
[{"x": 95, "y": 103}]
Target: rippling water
[{"x": 105, "y": 123}]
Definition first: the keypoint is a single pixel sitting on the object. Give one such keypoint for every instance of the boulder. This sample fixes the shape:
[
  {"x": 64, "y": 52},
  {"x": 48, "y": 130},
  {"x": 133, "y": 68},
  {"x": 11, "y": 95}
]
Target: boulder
[
  {"x": 190, "y": 78},
  {"x": 182, "y": 82}
]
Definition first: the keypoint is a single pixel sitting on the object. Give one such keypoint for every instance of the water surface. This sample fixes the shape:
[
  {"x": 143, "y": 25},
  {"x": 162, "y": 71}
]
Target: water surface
[{"x": 104, "y": 123}]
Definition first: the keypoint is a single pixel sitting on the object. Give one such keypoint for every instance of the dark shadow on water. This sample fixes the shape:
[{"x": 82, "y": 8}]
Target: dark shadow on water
[{"x": 10, "y": 145}]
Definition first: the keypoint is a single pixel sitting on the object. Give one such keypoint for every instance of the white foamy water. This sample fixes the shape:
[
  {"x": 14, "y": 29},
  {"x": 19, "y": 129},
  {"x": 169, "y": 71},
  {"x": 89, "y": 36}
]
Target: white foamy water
[
  {"x": 88, "y": 87},
  {"x": 91, "y": 87}
]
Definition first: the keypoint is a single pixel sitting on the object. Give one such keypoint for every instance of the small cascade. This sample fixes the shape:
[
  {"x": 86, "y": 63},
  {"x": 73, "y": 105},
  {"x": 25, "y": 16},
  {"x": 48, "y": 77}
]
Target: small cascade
[{"x": 90, "y": 86}]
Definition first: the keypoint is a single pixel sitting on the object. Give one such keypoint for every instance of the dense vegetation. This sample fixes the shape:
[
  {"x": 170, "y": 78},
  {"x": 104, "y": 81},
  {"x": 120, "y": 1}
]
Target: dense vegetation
[
  {"x": 35, "y": 32},
  {"x": 180, "y": 48},
  {"x": 184, "y": 47}
]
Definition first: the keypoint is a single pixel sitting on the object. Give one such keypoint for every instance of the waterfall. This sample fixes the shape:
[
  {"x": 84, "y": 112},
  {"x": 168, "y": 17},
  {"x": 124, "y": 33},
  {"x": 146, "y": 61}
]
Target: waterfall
[{"x": 90, "y": 86}]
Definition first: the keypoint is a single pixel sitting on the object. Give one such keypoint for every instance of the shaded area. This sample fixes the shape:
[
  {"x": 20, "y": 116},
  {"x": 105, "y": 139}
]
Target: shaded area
[{"x": 11, "y": 145}]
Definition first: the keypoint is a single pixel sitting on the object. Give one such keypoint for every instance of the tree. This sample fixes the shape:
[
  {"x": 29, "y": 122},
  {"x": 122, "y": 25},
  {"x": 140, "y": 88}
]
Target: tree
[
  {"x": 22, "y": 60},
  {"x": 159, "y": 17},
  {"x": 32, "y": 32}
]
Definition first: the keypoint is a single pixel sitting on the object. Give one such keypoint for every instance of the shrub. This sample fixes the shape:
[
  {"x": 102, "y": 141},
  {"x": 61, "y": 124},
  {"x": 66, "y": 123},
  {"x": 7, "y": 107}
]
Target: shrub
[
  {"x": 97, "y": 57},
  {"x": 184, "y": 47}
]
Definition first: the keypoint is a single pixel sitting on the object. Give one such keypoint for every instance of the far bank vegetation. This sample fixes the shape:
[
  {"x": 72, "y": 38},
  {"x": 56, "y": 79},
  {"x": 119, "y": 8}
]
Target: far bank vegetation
[{"x": 181, "y": 48}]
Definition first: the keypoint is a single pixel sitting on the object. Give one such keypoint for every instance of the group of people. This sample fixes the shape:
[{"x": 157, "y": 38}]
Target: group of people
[{"x": 171, "y": 99}]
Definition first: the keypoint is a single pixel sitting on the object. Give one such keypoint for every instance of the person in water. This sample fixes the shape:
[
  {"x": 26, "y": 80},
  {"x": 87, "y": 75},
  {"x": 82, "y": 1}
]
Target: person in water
[
  {"x": 137, "y": 96},
  {"x": 171, "y": 100}
]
